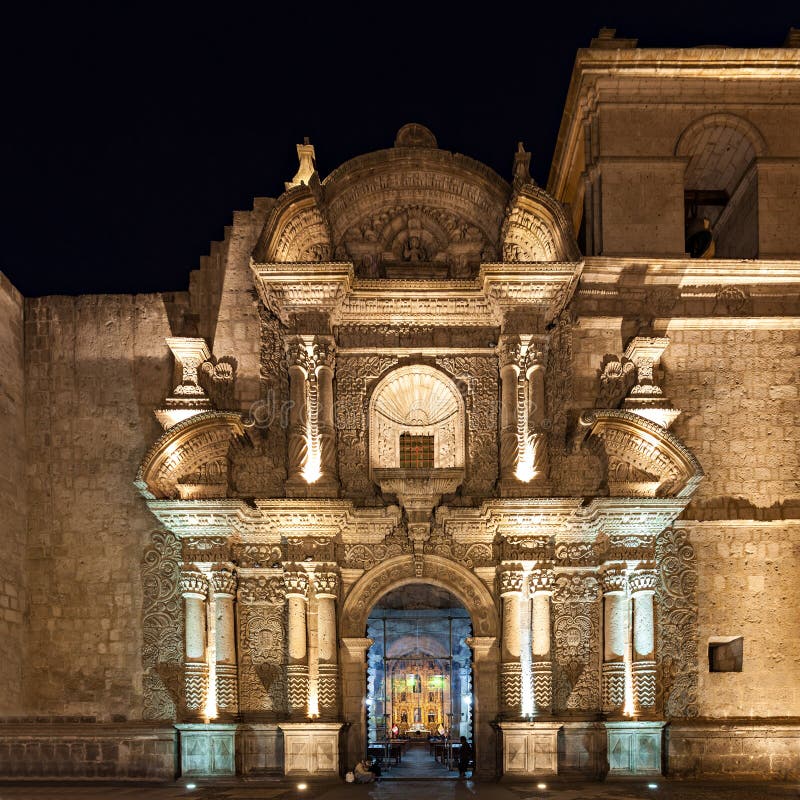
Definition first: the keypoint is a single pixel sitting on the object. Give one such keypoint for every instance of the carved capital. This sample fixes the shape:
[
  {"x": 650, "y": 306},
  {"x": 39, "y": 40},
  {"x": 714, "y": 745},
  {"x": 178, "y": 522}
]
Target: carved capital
[
  {"x": 509, "y": 351},
  {"x": 193, "y": 584},
  {"x": 324, "y": 352},
  {"x": 326, "y": 584},
  {"x": 613, "y": 579},
  {"x": 296, "y": 584},
  {"x": 542, "y": 580},
  {"x": 511, "y": 582},
  {"x": 297, "y": 353},
  {"x": 224, "y": 582},
  {"x": 643, "y": 581}
]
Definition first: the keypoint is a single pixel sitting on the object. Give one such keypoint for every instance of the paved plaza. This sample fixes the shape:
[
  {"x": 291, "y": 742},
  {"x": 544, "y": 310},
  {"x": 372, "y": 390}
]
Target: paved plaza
[{"x": 400, "y": 789}]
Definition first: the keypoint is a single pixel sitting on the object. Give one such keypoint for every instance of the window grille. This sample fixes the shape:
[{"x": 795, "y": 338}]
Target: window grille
[{"x": 416, "y": 452}]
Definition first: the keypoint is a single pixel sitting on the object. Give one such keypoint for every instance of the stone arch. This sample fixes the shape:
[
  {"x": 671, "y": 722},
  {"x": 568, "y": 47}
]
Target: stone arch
[
  {"x": 401, "y": 571},
  {"x": 695, "y": 131},
  {"x": 416, "y": 399}
]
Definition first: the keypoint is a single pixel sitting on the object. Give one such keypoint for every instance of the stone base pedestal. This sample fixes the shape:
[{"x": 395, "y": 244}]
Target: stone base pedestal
[
  {"x": 634, "y": 747},
  {"x": 207, "y": 749},
  {"x": 530, "y": 749},
  {"x": 260, "y": 748},
  {"x": 311, "y": 749}
]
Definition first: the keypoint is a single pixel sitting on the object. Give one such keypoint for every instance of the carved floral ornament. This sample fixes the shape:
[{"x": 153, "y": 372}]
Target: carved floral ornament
[
  {"x": 643, "y": 457},
  {"x": 190, "y": 460}
]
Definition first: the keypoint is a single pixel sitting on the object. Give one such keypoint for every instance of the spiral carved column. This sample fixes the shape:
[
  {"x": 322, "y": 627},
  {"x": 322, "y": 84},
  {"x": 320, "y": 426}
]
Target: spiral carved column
[
  {"x": 325, "y": 586},
  {"x": 615, "y": 637},
  {"x": 643, "y": 586},
  {"x": 511, "y": 582},
  {"x": 194, "y": 590},
  {"x": 297, "y": 358},
  {"x": 224, "y": 584},
  {"x": 324, "y": 350},
  {"x": 508, "y": 353},
  {"x": 297, "y": 666},
  {"x": 541, "y": 588}
]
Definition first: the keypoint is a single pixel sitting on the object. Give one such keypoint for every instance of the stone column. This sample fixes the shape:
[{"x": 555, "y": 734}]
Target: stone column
[
  {"x": 354, "y": 684},
  {"x": 325, "y": 359},
  {"x": 194, "y": 589},
  {"x": 541, "y": 587},
  {"x": 325, "y": 586},
  {"x": 223, "y": 582},
  {"x": 297, "y": 666},
  {"x": 508, "y": 352},
  {"x": 615, "y": 637},
  {"x": 536, "y": 417},
  {"x": 511, "y": 646},
  {"x": 297, "y": 357},
  {"x": 484, "y": 708},
  {"x": 643, "y": 586}
]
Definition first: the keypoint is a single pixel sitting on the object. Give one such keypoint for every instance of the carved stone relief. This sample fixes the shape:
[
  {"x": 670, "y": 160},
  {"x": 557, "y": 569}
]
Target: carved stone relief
[
  {"x": 354, "y": 375},
  {"x": 162, "y": 628},
  {"x": 478, "y": 375},
  {"x": 576, "y": 636},
  {"x": 676, "y": 613},
  {"x": 617, "y": 377}
]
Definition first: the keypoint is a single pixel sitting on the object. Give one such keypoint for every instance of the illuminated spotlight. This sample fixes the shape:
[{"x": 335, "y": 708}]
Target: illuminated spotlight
[
  {"x": 541, "y": 785},
  {"x": 652, "y": 786},
  {"x": 302, "y": 786},
  {"x": 191, "y": 785}
]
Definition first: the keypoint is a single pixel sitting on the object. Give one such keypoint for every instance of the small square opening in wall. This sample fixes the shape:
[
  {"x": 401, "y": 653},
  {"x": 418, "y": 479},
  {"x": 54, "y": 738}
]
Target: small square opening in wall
[{"x": 725, "y": 653}]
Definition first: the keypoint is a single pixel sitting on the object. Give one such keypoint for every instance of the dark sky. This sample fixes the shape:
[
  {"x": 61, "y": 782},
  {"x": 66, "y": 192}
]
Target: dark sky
[{"x": 129, "y": 137}]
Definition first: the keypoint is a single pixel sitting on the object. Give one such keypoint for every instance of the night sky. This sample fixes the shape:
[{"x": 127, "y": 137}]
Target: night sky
[{"x": 130, "y": 137}]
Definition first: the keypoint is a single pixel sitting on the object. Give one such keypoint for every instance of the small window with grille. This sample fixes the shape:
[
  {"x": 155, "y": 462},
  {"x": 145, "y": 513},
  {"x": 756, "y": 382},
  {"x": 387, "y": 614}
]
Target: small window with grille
[{"x": 416, "y": 452}]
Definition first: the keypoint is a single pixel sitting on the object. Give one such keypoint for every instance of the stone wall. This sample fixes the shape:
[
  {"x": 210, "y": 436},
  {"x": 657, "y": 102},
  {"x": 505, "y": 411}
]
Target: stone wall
[
  {"x": 738, "y": 749},
  {"x": 97, "y": 367},
  {"x": 12, "y": 499},
  {"x": 738, "y": 391},
  {"x": 749, "y": 585},
  {"x": 85, "y": 750}
]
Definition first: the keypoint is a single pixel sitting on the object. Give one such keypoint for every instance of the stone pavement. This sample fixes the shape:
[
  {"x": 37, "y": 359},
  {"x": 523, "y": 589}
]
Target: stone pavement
[{"x": 441, "y": 789}]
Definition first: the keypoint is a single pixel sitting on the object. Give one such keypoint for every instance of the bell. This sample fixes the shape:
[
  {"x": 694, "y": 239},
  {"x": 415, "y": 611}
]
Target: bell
[{"x": 699, "y": 239}]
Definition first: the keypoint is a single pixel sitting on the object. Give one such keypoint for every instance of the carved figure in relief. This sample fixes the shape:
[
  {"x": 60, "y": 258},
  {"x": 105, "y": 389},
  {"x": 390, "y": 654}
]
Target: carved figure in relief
[{"x": 413, "y": 249}]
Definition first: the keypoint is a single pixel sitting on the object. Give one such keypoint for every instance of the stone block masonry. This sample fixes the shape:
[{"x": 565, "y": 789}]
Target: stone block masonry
[{"x": 13, "y": 510}]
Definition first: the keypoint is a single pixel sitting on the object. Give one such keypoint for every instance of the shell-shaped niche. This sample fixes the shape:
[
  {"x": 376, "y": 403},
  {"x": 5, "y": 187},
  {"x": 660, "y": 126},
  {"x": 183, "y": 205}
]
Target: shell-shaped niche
[{"x": 419, "y": 400}]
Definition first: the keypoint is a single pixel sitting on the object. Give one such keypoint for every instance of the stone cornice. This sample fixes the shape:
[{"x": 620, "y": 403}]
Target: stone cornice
[{"x": 268, "y": 521}]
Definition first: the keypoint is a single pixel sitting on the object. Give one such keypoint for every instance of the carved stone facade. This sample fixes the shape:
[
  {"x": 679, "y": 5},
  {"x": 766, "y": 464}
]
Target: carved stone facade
[{"x": 414, "y": 376}]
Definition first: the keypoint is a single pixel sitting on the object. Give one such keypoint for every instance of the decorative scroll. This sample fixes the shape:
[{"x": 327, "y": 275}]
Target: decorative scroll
[
  {"x": 576, "y": 634},
  {"x": 162, "y": 625},
  {"x": 676, "y": 610}
]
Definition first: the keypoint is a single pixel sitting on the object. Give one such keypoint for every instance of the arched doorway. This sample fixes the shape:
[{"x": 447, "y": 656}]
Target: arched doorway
[
  {"x": 419, "y": 681},
  {"x": 472, "y": 595}
]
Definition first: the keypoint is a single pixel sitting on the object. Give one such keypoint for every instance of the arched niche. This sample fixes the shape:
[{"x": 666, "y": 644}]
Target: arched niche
[
  {"x": 419, "y": 401},
  {"x": 402, "y": 571},
  {"x": 720, "y": 182},
  {"x": 643, "y": 458},
  {"x": 536, "y": 228},
  {"x": 190, "y": 460}
]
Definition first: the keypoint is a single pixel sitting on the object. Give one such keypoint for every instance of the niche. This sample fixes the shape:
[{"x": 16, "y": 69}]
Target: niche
[{"x": 725, "y": 653}]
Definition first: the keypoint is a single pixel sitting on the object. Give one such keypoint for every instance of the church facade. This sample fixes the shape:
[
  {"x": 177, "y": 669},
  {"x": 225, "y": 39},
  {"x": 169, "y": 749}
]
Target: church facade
[{"x": 572, "y": 409}]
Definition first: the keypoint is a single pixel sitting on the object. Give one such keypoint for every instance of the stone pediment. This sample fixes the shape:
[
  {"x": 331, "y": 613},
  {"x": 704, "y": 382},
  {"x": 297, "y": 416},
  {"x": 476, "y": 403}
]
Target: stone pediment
[
  {"x": 643, "y": 458},
  {"x": 190, "y": 460}
]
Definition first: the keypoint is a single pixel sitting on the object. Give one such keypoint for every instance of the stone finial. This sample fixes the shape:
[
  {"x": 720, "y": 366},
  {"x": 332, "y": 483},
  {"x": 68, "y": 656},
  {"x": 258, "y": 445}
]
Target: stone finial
[
  {"x": 522, "y": 165},
  {"x": 606, "y": 39},
  {"x": 646, "y": 398},
  {"x": 792, "y": 38},
  {"x": 306, "y": 156},
  {"x": 188, "y": 397}
]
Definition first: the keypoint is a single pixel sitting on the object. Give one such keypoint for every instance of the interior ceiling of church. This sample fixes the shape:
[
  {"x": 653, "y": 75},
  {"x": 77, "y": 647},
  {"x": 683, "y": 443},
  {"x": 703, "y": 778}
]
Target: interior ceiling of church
[{"x": 417, "y": 597}]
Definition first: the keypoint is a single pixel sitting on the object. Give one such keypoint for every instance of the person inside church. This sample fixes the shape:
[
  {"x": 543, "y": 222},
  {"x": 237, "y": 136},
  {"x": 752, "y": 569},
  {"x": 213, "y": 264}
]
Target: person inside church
[
  {"x": 367, "y": 771},
  {"x": 464, "y": 757}
]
